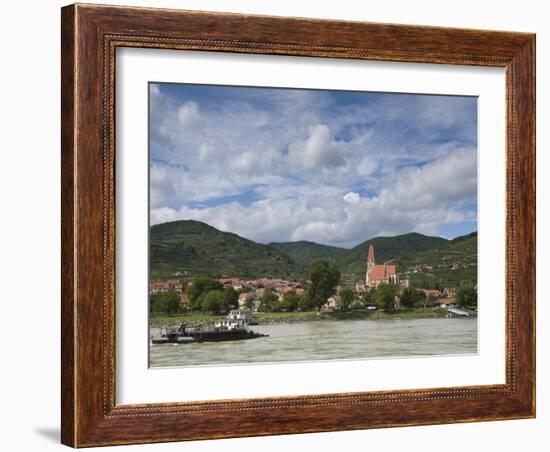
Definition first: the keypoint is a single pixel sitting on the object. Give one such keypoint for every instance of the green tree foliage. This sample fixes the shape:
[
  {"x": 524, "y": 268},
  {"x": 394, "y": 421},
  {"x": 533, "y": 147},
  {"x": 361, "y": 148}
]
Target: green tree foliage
[
  {"x": 431, "y": 299},
  {"x": 420, "y": 295},
  {"x": 420, "y": 299},
  {"x": 466, "y": 295},
  {"x": 198, "y": 288},
  {"x": 212, "y": 301},
  {"x": 249, "y": 302},
  {"x": 324, "y": 277},
  {"x": 230, "y": 299},
  {"x": 269, "y": 302},
  {"x": 165, "y": 303},
  {"x": 409, "y": 297},
  {"x": 290, "y": 302},
  {"x": 384, "y": 297},
  {"x": 304, "y": 303},
  {"x": 368, "y": 296},
  {"x": 347, "y": 297}
]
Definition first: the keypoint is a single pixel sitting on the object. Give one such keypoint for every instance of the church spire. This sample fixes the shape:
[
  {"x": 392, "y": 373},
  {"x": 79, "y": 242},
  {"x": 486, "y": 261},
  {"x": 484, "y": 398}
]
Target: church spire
[{"x": 370, "y": 257}]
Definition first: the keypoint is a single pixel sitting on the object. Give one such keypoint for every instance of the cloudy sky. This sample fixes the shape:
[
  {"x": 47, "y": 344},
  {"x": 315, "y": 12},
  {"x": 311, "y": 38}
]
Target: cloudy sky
[{"x": 333, "y": 167}]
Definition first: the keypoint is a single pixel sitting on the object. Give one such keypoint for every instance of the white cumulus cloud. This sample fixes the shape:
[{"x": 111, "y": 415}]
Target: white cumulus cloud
[{"x": 188, "y": 113}]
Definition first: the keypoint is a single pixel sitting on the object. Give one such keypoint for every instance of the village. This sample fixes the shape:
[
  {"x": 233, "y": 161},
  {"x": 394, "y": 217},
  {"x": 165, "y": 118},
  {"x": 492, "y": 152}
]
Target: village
[{"x": 381, "y": 289}]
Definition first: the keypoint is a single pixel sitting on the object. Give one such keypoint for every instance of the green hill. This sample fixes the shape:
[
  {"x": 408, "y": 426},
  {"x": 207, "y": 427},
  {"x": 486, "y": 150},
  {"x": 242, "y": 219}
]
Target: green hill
[
  {"x": 304, "y": 252},
  {"x": 461, "y": 250},
  {"x": 442, "y": 266},
  {"x": 387, "y": 249},
  {"x": 191, "y": 248},
  {"x": 194, "y": 248}
]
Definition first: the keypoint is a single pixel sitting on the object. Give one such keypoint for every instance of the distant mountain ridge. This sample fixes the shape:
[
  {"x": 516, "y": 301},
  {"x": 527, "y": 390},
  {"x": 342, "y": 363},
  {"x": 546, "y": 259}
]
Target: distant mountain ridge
[
  {"x": 191, "y": 248},
  {"x": 303, "y": 252},
  {"x": 194, "y": 248}
]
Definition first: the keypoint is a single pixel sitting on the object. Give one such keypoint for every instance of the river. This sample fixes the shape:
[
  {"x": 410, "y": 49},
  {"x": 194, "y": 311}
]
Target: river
[{"x": 322, "y": 340}]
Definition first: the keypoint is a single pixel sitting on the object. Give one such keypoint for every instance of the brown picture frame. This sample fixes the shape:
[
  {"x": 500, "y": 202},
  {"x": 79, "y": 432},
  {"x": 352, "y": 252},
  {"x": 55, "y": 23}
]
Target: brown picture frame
[{"x": 90, "y": 35}]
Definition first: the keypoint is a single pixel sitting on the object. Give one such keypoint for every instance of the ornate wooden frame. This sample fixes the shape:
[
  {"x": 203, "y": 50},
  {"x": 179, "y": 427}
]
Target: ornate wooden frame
[{"x": 90, "y": 35}]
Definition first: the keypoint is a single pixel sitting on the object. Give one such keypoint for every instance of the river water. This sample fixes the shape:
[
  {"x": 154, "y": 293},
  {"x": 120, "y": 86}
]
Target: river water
[{"x": 322, "y": 340}]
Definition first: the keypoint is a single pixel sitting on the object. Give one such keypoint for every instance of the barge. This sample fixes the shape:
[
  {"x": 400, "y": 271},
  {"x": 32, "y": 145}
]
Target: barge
[{"x": 233, "y": 328}]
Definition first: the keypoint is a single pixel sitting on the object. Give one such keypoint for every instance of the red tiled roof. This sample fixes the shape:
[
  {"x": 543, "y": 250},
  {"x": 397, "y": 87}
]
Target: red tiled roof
[
  {"x": 170, "y": 283},
  {"x": 158, "y": 285},
  {"x": 381, "y": 272},
  {"x": 428, "y": 292}
]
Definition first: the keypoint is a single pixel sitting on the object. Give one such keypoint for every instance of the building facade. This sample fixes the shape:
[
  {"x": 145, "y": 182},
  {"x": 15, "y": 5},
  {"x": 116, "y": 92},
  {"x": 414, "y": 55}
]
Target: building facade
[{"x": 377, "y": 274}]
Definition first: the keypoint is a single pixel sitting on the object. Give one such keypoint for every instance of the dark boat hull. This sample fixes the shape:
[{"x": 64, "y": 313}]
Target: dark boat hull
[
  {"x": 218, "y": 336},
  {"x": 207, "y": 336}
]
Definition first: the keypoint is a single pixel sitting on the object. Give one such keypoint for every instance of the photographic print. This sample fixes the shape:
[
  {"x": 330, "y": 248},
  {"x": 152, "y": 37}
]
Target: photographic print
[{"x": 299, "y": 225}]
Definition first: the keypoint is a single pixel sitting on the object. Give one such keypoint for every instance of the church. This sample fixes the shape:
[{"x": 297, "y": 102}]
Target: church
[{"x": 377, "y": 274}]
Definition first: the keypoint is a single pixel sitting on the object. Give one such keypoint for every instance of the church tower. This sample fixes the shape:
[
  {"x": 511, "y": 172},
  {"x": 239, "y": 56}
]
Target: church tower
[{"x": 370, "y": 263}]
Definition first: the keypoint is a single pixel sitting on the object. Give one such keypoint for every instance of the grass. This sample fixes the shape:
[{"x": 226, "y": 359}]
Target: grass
[
  {"x": 259, "y": 316},
  {"x": 420, "y": 313},
  {"x": 191, "y": 317}
]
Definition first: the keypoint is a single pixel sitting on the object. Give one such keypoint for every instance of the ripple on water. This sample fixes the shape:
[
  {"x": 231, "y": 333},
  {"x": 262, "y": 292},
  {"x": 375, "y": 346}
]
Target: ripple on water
[{"x": 310, "y": 341}]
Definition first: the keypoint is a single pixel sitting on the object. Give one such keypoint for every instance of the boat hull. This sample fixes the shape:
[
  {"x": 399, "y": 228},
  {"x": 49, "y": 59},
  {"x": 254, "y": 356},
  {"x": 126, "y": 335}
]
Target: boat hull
[
  {"x": 206, "y": 336},
  {"x": 219, "y": 336}
]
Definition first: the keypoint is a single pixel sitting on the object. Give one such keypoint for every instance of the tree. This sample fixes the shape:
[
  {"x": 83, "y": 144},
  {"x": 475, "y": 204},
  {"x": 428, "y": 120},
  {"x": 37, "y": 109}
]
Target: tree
[
  {"x": 408, "y": 297},
  {"x": 165, "y": 303},
  {"x": 368, "y": 296},
  {"x": 212, "y": 301},
  {"x": 419, "y": 298},
  {"x": 431, "y": 299},
  {"x": 466, "y": 295},
  {"x": 201, "y": 286},
  {"x": 385, "y": 296},
  {"x": 347, "y": 297},
  {"x": 230, "y": 299},
  {"x": 155, "y": 303},
  {"x": 420, "y": 295},
  {"x": 269, "y": 301},
  {"x": 290, "y": 302},
  {"x": 324, "y": 277},
  {"x": 303, "y": 303},
  {"x": 249, "y": 302},
  {"x": 171, "y": 303}
]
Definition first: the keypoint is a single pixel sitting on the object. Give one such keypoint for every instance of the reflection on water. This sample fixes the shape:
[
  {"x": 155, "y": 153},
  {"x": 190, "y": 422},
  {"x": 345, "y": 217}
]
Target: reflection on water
[{"x": 322, "y": 340}]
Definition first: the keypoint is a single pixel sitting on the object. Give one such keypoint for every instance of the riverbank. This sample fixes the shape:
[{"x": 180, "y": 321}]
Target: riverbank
[{"x": 268, "y": 318}]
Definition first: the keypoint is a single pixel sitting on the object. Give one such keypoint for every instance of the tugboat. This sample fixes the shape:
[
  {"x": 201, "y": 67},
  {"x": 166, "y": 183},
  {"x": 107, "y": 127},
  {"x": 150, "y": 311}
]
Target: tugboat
[{"x": 233, "y": 328}]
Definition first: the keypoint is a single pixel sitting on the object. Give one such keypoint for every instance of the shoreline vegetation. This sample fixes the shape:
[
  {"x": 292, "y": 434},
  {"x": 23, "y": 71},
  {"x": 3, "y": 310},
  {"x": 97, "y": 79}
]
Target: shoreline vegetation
[{"x": 268, "y": 318}]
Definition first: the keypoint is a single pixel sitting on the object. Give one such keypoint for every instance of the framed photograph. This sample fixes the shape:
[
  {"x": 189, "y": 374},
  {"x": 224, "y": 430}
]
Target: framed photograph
[{"x": 281, "y": 225}]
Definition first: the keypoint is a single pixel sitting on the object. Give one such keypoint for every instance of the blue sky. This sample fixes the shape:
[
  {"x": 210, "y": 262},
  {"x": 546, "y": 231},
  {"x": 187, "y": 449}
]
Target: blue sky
[{"x": 334, "y": 167}]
